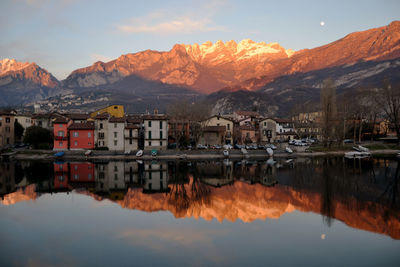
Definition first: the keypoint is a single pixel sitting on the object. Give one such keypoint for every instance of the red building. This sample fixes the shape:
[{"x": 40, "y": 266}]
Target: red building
[
  {"x": 60, "y": 131},
  {"x": 81, "y": 135}
]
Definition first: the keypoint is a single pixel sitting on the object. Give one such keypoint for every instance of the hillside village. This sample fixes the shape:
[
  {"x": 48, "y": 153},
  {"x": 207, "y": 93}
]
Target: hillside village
[{"x": 112, "y": 129}]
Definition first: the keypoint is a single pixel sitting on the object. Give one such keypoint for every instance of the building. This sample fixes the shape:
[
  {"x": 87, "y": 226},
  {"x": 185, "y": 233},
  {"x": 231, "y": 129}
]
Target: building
[
  {"x": 267, "y": 131},
  {"x": 217, "y": 120},
  {"x": 155, "y": 131},
  {"x": 248, "y": 134},
  {"x": 213, "y": 135},
  {"x": 7, "y": 120},
  {"x": 25, "y": 120},
  {"x": 81, "y": 135},
  {"x": 116, "y": 129},
  {"x": 60, "y": 133},
  {"x": 45, "y": 120},
  {"x": 116, "y": 111},
  {"x": 178, "y": 130},
  {"x": 241, "y": 114},
  {"x": 101, "y": 130},
  {"x": 155, "y": 177},
  {"x": 285, "y": 130},
  {"x": 131, "y": 136}
]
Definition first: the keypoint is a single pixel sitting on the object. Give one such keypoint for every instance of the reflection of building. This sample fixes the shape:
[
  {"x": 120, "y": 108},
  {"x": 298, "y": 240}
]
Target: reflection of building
[
  {"x": 215, "y": 173},
  {"x": 155, "y": 177},
  {"x": 132, "y": 174},
  {"x": 81, "y": 174},
  {"x": 7, "y": 178},
  {"x": 268, "y": 175},
  {"x": 61, "y": 175}
]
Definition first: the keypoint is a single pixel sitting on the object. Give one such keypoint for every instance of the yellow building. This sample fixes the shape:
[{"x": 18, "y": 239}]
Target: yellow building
[{"x": 114, "y": 110}]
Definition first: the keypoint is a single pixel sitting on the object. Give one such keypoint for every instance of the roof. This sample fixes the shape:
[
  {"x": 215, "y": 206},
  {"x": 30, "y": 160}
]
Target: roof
[
  {"x": 214, "y": 129},
  {"x": 117, "y": 120},
  {"x": 155, "y": 117},
  {"x": 132, "y": 126},
  {"x": 283, "y": 120},
  {"x": 61, "y": 120},
  {"x": 87, "y": 125},
  {"x": 77, "y": 116},
  {"x": 219, "y": 116},
  {"x": 102, "y": 116},
  {"x": 264, "y": 119}
]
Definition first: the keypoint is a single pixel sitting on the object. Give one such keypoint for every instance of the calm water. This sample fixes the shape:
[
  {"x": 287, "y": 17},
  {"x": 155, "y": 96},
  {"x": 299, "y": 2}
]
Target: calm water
[{"x": 314, "y": 212}]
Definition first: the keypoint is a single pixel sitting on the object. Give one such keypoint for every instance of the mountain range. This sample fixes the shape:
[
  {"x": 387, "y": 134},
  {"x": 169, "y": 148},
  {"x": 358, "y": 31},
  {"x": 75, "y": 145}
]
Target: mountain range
[{"x": 229, "y": 75}]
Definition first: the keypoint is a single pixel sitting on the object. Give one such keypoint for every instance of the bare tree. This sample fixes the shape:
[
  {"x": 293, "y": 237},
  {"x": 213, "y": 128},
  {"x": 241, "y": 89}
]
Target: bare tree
[
  {"x": 388, "y": 98},
  {"x": 329, "y": 111}
]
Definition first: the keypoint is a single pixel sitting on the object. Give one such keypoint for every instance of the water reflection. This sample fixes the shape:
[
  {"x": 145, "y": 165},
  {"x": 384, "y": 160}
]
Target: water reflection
[{"x": 361, "y": 193}]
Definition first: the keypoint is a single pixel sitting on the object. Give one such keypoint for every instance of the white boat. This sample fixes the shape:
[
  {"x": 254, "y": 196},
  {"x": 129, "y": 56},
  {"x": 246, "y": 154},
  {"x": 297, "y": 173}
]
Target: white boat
[
  {"x": 288, "y": 150},
  {"x": 226, "y": 153},
  {"x": 139, "y": 153},
  {"x": 270, "y": 151},
  {"x": 357, "y": 154},
  {"x": 127, "y": 152},
  {"x": 363, "y": 149},
  {"x": 87, "y": 153},
  {"x": 289, "y": 161}
]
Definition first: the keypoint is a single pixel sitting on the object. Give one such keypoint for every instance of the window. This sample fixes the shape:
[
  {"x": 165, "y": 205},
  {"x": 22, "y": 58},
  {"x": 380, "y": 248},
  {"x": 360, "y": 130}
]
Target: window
[
  {"x": 101, "y": 135},
  {"x": 76, "y": 167},
  {"x": 75, "y": 134},
  {"x": 60, "y": 125},
  {"x": 130, "y": 132},
  {"x": 115, "y": 134},
  {"x": 115, "y": 176},
  {"x": 60, "y": 143},
  {"x": 8, "y": 129},
  {"x": 89, "y": 135},
  {"x": 101, "y": 175},
  {"x": 149, "y": 123},
  {"x": 115, "y": 142},
  {"x": 160, "y": 124},
  {"x": 217, "y": 124},
  {"x": 76, "y": 143},
  {"x": 115, "y": 125},
  {"x": 8, "y": 140},
  {"x": 130, "y": 141},
  {"x": 229, "y": 126},
  {"x": 115, "y": 168},
  {"x": 7, "y": 120},
  {"x": 60, "y": 133},
  {"x": 101, "y": 125},
  {"x": 149, "y": 134},
  {"x": 89, "y": 176},
  {"x": 160, "y": 134},
  {"x": 149, "y": 143},
  {"x": 265, "y": 123},
  {"x": 160, "y": 143},
  {"x": 76, "y": 176}
]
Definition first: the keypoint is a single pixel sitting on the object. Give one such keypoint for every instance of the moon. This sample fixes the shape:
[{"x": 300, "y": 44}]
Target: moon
[{"x": 322, "y": 23}]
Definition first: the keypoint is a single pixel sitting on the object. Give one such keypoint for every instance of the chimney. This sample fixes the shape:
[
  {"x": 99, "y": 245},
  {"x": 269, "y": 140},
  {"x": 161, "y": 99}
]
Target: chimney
[{"x": 155, "y": 111}]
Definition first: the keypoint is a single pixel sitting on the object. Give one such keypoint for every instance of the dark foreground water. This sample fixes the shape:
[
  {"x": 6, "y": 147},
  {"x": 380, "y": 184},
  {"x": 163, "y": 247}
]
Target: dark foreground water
[{"x": 302, "y": 212}]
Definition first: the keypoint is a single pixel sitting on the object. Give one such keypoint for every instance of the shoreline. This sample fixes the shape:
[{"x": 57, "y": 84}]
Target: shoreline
[{"x": 179, "y": 155}]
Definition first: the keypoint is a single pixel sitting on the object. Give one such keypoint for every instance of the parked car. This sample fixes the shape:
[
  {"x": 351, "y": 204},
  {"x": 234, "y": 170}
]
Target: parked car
[
  {"x": 228, "y": 146},
  {"x": 348, "y": 141},
  {"x": 252, "y": 147},
  {"x": 292, "y": 142},
  {"x": 217, "y": 147},
  {"x": 200, "y": 146},
  {"x": 237, "y": 146}
]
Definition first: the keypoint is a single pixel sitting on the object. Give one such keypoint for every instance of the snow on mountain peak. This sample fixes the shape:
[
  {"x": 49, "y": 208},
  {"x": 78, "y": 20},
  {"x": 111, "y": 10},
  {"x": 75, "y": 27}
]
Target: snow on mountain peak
[{"x": 7, "y": 65}]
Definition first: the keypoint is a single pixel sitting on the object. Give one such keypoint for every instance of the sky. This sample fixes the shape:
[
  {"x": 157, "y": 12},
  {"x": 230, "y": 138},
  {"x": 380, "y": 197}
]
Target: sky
[{"x": 63, "y": 35}]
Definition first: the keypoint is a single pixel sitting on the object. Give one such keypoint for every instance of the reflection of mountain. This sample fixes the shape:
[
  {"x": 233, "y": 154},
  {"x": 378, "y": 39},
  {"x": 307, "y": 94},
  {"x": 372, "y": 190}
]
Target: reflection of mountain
[{"x": 330, "y": 187}]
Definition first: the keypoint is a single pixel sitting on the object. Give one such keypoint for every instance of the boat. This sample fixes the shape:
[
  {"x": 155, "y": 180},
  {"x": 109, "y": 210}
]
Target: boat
[
  {"x": 139, "y": 153},
  {"x": 154, "y": 152},
  {"x": 288, "y": 150},
  {"x": 88, "y": 152},
  {"x": 270, "y": 151},
  {"x": 244, "y": 151},
  {"x": 128, "y": 152},
  {"x": 59, "y": 154},
  {"x": 271, "y": 161},
  {"x": 226, "y": 153},
  {"x": 360, "y": 148},
  {"x": 288, "y": 161},
  {"x": 357, "y": 155}
]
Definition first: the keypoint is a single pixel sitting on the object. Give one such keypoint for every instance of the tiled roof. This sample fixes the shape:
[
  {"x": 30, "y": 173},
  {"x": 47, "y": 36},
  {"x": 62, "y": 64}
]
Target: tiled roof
[
  {"x": 88, "y": 125},
  {"x": 155, "y": 117},
  {"x": 60, "y": 120},
  {"x": 77, "y": 116}
]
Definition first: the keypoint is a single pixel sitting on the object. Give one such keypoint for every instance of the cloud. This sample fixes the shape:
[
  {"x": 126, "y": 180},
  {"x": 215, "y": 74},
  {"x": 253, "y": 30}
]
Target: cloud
[
  {"x": 167, "y": 22},
  {"x": 98, "y": 57}
]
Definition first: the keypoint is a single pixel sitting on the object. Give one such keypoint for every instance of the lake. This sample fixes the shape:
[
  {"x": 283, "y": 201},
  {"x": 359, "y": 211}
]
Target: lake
[{"x": 326, "y": 211}]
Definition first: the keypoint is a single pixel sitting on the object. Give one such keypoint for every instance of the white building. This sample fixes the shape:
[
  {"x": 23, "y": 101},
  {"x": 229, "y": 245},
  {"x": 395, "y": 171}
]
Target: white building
[
  {"x": 156, "y": 131},
  {"x": 155, "y": 177},
  {"x": 116, "y": 128},
  {"x": 101, "y": 130}
]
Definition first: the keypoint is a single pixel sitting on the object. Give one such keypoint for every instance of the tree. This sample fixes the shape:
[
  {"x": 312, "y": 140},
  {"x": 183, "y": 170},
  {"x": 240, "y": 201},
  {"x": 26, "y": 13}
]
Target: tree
[
  {"x": 388, "y": 99},
  {"x": 18, "y": 130},
  {"x": 329, "y": 111},
  {"x": 190, "y": 113},
  {"x": 38, "y": 137}
]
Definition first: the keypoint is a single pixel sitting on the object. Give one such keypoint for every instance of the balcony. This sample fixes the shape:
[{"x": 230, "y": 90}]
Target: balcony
[{"x": 60, "y": 138}]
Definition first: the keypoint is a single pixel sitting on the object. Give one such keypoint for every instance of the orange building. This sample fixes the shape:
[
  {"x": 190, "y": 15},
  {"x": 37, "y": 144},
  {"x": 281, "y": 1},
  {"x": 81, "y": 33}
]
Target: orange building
[
  {"x": 81, "y": 172},
  {"x": 61, "y": 171},
  {"x": 81, "y": 135},
  {"x": 60, "y": 132}
]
